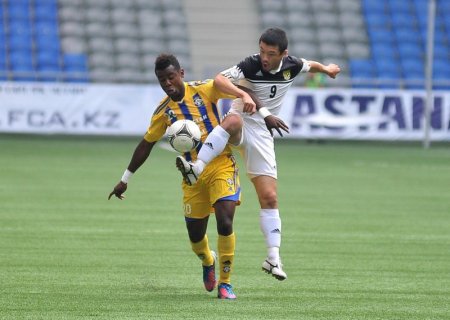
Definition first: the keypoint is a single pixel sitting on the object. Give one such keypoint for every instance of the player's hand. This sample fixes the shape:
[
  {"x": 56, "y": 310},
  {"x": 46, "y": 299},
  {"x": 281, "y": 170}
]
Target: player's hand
[
  {"x": 118, "y": 191},
  {"x": 332, "y": 70},
  {"x": 273, "y": 122},
  {"x": 249, "y": 105}
]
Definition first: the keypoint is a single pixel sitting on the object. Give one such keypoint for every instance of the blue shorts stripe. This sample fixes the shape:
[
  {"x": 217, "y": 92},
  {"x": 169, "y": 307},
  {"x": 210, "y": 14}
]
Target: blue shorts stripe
[{"x": 233, "y": 197}]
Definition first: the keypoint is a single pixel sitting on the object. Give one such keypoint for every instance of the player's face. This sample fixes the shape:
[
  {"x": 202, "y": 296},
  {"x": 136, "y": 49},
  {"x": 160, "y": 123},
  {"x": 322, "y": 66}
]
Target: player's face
[
  {"x": 171, "y": 81},
  {"x": 270, "y": 56}
]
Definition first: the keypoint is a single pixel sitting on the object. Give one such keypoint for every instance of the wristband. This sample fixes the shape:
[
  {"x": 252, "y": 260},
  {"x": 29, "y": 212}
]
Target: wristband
[
  {"x": 126, "y": 176},
  {"x": 264, "y": 112}
]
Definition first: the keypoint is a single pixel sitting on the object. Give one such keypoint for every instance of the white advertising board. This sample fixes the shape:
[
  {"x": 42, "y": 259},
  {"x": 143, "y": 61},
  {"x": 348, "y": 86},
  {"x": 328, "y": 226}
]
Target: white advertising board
[{"x": 311, "y": 114}]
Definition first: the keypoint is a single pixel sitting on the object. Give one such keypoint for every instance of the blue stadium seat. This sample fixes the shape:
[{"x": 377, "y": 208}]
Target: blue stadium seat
[
  {"x": 403, "y": 19},
  {"x": 382, "y": 36},
  {"x": 20, "y": 27},
  {"x": 441, "y": 80},
  {"x": 46, "y": 58},
  {"x": 379, "y": 6},
  {"x": 410, "y": 50},
  {"x": 411, "y": 65},
  {"x": 46, "y": 27},
  {"x": 3, "y": 64},
  {"x": 20, "y": 58},
  {"x": 444, "y": 7},
  {"x": 47, "y": 42},
  {"x": 447, "y": 25},
  {"x": 441, "y": 72},
  {"x": 377, "y": 20},
  {"x": 399, "y": 6},
  {"x": 21, "y": 63},
  {"x": 2, "y": 36},
  {"x": 441, "y": 51},
  {"x": 421, "y": 7},
  {"x": 414, "y": 80},
  {"x": 404, "y": 34},
  {"x": 439, "y": 36},
  {"x": 18, "y": 11},
  {"x": 20, "y": 42},
  {"x": 387, "y": 67},
  {"x": 49, "y": 73},
  {"x": 76, "y": 67},
  {"x": 384, "y": 50},
  {"x": 361, "y": 70},
  {"x": 45, "y": 11},
  {"x": 441, "y": 65}
]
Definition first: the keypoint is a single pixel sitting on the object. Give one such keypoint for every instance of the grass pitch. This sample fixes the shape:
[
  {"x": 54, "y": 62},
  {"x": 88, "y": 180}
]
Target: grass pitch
[{"x": 366, "y": 235}]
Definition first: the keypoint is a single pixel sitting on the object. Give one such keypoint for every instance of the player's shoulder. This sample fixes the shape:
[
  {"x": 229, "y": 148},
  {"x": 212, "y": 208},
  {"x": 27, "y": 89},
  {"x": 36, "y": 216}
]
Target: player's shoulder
[
  {"x": 203, "y": 87},
  {"x": 161, "y": 108},
  {"x": 292, "y": 61},
  {"x": 250, "y": 65},
  {"x": 199, "y": 83},
  {"x": 252, "y": 60}
]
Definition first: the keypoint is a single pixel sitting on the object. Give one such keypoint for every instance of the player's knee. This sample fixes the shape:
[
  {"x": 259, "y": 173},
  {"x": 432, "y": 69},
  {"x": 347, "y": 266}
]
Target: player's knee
[
  {"x": 225, "y": 229},
  {"x": 232, "y": 124},
  {"x": 269, "y": 199}
]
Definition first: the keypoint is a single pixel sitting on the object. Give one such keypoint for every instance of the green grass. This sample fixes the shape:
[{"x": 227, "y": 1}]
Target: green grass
[{"x": 366, "y": 235}]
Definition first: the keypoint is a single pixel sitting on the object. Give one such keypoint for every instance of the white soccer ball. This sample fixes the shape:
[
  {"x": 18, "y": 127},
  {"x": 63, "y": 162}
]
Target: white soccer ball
[{"x": 184, "y": 135}]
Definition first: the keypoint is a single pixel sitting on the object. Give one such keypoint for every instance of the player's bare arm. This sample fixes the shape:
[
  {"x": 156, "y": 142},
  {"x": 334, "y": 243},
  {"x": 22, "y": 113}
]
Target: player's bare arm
[
  {"x": 225, "y": 85},
  {"x": 330, "y": 70},
  {"x": 140, "y": 154}
]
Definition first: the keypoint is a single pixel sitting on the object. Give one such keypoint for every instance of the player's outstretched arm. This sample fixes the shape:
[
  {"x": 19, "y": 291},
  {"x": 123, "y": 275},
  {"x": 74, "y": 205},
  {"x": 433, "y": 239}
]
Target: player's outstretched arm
[
  {"x": 330, "y": 70},
  {"x": 140, "y": 154}
]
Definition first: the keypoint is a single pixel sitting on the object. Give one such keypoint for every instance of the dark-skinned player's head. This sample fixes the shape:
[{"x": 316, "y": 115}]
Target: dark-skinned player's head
[{"x": 170, "y": 76}]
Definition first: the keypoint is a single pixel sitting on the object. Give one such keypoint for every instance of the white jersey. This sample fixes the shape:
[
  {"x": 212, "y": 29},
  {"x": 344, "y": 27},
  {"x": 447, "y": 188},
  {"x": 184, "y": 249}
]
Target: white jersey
[{"x": 270, "y": 87}]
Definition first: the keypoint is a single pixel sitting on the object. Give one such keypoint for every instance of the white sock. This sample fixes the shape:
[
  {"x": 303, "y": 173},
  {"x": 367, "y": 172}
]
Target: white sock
[
  {"x": 270, "y": 223},
  {"x": 214, "y": 144}
]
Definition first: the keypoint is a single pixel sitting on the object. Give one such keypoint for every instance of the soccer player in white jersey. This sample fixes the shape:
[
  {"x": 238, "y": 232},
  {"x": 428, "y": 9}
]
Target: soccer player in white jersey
[{"x": 268, "y": 75}]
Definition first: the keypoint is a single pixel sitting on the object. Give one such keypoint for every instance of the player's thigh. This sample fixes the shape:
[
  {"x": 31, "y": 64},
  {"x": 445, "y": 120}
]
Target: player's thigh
[
  {"x": 223, "y": 180},
  {"x": 196, "y": 203},
  {"x": 259, "y": 152}
]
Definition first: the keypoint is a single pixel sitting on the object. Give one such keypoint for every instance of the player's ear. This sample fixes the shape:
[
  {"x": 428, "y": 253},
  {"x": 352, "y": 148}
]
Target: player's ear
[
  {"x": 285, "y": 53},
  {"x": 182, "y": 72}
]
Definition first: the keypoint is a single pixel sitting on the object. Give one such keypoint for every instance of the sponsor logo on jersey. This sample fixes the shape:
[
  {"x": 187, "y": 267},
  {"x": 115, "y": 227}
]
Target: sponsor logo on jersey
[
  {"x": 287, "y": 74},
  {"x": 198, "y": 101},
  {"x": 170, "y": 114}
]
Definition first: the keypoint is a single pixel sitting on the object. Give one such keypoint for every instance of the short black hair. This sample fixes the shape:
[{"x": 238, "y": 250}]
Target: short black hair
[
  {"x": 166, "y": 59},
  {"x": 275, "y": 37}
]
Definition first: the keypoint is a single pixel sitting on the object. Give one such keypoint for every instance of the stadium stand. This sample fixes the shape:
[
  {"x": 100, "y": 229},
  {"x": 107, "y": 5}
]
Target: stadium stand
[
  {"x": 89, "y": 40},
  {"x": 379, "y": 44},
  {"x": 382, "y": 42}
]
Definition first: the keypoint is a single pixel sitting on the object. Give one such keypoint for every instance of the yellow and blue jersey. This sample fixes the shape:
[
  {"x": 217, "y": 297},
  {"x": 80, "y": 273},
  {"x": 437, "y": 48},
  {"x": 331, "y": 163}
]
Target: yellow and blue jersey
[{"x": 199, "y": 105}]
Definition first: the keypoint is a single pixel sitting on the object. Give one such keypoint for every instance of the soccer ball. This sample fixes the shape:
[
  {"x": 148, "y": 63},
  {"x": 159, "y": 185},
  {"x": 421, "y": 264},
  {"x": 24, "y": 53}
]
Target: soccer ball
[{"x": 184, "y": 135}]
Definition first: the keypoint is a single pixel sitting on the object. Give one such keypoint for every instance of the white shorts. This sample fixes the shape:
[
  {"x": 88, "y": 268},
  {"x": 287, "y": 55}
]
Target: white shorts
[{"x": 257, "y": 147}]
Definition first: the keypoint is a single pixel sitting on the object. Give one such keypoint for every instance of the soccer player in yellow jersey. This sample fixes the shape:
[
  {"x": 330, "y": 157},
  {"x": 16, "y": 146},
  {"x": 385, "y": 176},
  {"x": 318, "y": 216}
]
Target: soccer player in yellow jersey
[{"x": 218, "y": 189}]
